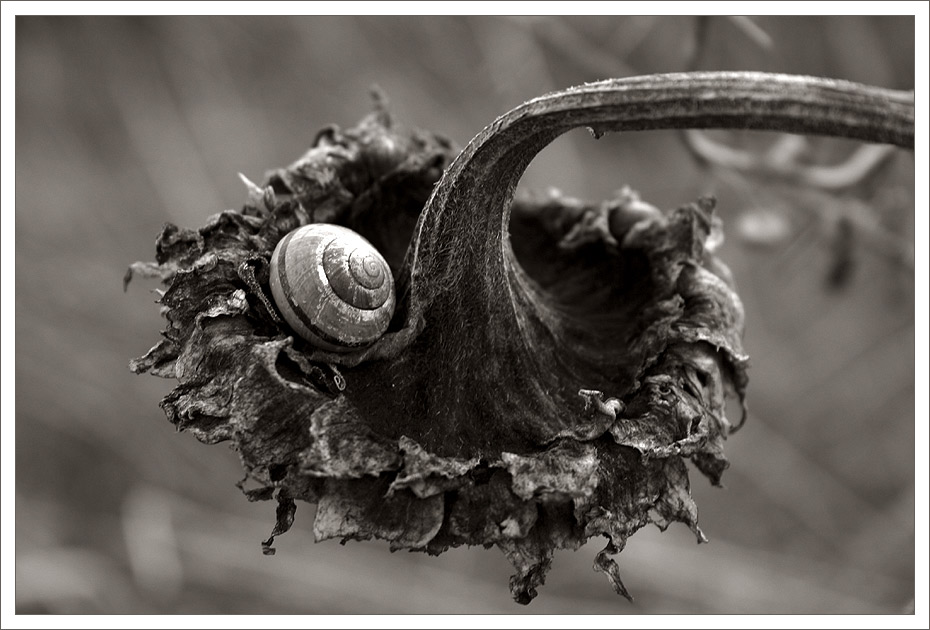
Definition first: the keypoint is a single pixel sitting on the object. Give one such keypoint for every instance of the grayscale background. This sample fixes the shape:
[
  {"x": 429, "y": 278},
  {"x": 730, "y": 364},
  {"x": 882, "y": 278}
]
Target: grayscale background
[{"x": 125, "y": 124}]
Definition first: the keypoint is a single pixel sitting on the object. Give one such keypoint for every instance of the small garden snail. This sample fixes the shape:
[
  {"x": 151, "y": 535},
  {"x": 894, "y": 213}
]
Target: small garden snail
[{"x": 332, "y": 287}]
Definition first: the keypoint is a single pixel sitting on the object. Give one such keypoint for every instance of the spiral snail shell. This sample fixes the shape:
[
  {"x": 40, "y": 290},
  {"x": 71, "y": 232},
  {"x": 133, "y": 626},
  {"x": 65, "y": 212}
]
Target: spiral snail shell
[{"x": 332, "y": 287}]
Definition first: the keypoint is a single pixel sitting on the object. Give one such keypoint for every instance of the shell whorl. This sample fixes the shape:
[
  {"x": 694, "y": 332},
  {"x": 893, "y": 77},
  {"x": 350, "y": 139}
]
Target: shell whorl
[
  {"x": 332, "y": 286},
  {"x": 357, "y": 273}
]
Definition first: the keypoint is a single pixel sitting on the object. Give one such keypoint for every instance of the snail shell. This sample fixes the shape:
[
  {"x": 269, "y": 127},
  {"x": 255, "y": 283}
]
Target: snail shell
[{"x": 332, "y": 287}]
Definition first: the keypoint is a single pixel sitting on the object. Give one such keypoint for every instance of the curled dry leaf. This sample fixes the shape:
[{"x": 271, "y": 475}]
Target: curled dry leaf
[{"x": 542, "y": 380}]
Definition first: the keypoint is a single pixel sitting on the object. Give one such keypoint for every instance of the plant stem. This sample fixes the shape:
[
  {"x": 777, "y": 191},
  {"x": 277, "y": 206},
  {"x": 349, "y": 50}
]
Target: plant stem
[{"x": 467, "y": 217}]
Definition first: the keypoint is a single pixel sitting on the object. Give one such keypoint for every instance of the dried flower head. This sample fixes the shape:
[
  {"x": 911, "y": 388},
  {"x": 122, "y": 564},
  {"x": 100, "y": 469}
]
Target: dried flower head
[{"x": 542, "y": 381}]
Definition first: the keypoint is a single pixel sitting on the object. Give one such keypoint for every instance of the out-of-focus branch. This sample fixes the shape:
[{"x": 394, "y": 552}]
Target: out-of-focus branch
[
  {"x": 753, "y": 31},
  {"x": 863, "y": 161},
  {"x": 560, "y": 37}
]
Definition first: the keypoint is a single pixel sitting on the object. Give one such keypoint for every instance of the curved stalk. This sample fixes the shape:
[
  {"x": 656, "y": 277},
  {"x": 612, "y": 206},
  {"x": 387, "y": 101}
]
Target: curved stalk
[{"x": 478, "y": 187}]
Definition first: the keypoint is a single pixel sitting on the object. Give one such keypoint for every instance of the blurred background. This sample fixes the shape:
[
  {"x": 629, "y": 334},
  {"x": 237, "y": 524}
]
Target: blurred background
[{"x": 124, "y": 124}]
